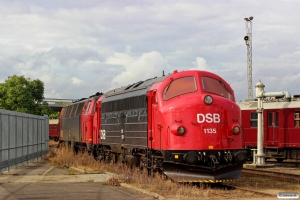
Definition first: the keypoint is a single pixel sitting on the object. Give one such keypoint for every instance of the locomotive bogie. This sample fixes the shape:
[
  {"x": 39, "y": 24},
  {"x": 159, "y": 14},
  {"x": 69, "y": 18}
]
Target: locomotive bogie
[{"x": 210, "y": 158}]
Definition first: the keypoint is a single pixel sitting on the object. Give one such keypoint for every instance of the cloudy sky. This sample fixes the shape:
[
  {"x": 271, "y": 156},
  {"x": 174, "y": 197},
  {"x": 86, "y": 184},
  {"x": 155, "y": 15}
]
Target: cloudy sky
[{"x": 80, "y": 47}]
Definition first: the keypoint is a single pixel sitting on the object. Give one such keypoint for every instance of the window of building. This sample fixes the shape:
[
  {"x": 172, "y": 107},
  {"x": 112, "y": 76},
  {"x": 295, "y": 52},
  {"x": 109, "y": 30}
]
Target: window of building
[
  {"x": 297, "y": 119},
  {"x": 49, "y": 127},
  {"x": 253, "y": 119},
  {"x": 180, "y": 86},
  {"x": 54, "y": 127}
]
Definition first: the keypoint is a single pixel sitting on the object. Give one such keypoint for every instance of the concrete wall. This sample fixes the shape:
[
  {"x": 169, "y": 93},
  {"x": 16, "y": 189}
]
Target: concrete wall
[{"x": 24, "y": 138}]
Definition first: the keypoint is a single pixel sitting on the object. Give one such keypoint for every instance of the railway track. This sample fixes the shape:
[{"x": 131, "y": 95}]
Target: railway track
[
  {"x": 231, "y": 191},
  {"x": 289, "y": 177},
  {"x": 286, "y": 163},
  {"x": 257, "y": 192},
  {"x": 265, "y": 182}
]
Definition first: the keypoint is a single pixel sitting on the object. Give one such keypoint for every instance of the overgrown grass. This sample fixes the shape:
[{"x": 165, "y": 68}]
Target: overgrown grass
[
  {"x": 267, "y": 183},
  {"x": 157, "y": 183},
  {"x": 66, "y": 158},
  {"x": 134, "y": 176}
]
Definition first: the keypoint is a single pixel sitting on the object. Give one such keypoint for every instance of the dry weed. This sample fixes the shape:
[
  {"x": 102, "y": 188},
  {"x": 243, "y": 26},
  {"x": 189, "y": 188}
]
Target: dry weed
[
  {"x": 66, "y": 158},
  {"x": 114, "y": 182},
  {"x": 157, "y": 182},
  {"x": 125, "y": 174}
]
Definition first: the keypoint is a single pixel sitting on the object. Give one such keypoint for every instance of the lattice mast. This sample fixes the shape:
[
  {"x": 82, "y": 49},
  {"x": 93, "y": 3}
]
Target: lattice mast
[{"x": 248, "y": 40}]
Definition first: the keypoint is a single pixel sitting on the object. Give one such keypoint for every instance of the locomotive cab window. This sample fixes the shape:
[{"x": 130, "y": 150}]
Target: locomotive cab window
[
  {"x": 297, "y": 118},
  {"x": 215, "y": 86},
  {"x": 180, "y": 86}
]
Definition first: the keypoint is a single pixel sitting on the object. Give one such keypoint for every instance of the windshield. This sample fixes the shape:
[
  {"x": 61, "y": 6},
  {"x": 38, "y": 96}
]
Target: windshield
[
  {"x": 215, "y": 86},
  {"x": 180, "y": 86}
]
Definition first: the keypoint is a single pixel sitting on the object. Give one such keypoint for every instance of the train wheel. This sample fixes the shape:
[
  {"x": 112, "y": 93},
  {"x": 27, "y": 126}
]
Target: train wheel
[
  {"x": 114, "y": 158},
  {"x": 150, "y": 163}
]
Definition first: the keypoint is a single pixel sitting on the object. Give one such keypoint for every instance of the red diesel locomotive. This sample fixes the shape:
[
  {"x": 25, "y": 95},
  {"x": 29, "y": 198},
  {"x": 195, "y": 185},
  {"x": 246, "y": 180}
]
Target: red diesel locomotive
[
  {"x": 281, "y": 127},
  {"x": 185, "y": 124}
]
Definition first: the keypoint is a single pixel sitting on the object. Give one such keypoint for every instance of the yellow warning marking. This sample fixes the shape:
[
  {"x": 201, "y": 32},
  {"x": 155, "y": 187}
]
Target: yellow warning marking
[{"x": 210, "y": 147}]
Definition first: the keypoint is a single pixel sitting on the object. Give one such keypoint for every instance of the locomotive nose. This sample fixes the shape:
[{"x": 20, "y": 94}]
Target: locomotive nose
[{"x": 240, "y": 157}]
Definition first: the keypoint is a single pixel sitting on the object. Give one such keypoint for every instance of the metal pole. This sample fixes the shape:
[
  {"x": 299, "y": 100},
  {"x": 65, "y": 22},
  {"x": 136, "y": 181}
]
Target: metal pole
[
  {"x": 260, "y": 156},
  {"x": 248, "y": 40},
  {"x": 260, "y": 136},
  {"x": 1, "y": 141}
]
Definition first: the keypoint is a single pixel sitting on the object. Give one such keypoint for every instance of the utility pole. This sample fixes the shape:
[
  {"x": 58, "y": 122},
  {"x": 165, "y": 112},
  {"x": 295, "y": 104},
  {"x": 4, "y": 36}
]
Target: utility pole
[{"x": 248, "y": 40}]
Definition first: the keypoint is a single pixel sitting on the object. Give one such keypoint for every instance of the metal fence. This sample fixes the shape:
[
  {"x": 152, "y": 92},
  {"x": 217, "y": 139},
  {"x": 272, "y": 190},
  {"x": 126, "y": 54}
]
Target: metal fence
[{"x": 24, "y": 138}]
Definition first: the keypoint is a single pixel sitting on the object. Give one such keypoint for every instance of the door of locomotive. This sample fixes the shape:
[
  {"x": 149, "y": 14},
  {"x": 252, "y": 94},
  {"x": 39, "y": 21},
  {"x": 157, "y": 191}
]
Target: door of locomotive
[
  {"x": 154, "y": 121},
  {"x": 272, "y": 128}
]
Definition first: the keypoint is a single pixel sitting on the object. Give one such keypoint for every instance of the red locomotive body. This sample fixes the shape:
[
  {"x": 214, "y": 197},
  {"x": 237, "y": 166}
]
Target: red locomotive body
[
  {"x": 194, "y": 117},
  {"x": 87, "y": 119},
  {"x": 281, "y": 127},
  {"x": 186, "y": 124},
  {"x": 54, "y": 129},
  {"x": 97, "y": 122}
]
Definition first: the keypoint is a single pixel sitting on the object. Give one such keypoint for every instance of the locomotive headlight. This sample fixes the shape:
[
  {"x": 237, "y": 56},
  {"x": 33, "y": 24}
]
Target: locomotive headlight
[
  {"x": 181, "y": 130},
  {"x": 208, "y": 99},
  {"x": 236, "y": 130},
  {"x": 178, "y": 130}
]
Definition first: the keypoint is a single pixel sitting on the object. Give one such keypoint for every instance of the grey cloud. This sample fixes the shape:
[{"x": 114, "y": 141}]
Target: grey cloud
[
  {"x": 65, "y": 55},
  {"x": 61, "y": 40},
  {"x": 7, "y": 67}
]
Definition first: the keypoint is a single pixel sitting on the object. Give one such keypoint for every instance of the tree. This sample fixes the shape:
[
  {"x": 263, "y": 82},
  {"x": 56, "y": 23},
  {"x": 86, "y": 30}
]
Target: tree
[
  {"x": 23, "y": 95},
  {"x": 54, "y": 115}
]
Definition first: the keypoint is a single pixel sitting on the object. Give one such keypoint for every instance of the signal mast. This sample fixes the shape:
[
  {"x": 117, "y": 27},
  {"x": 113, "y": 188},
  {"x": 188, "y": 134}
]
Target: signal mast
[{"x": 248, "y": 40}]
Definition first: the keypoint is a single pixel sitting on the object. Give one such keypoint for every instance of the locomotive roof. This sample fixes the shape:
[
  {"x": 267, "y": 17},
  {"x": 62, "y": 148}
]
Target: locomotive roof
[
  {"x": 95, "y": 96},
  {"x": 135, "y": 89},
  {"x": 270, "y": 104}
]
